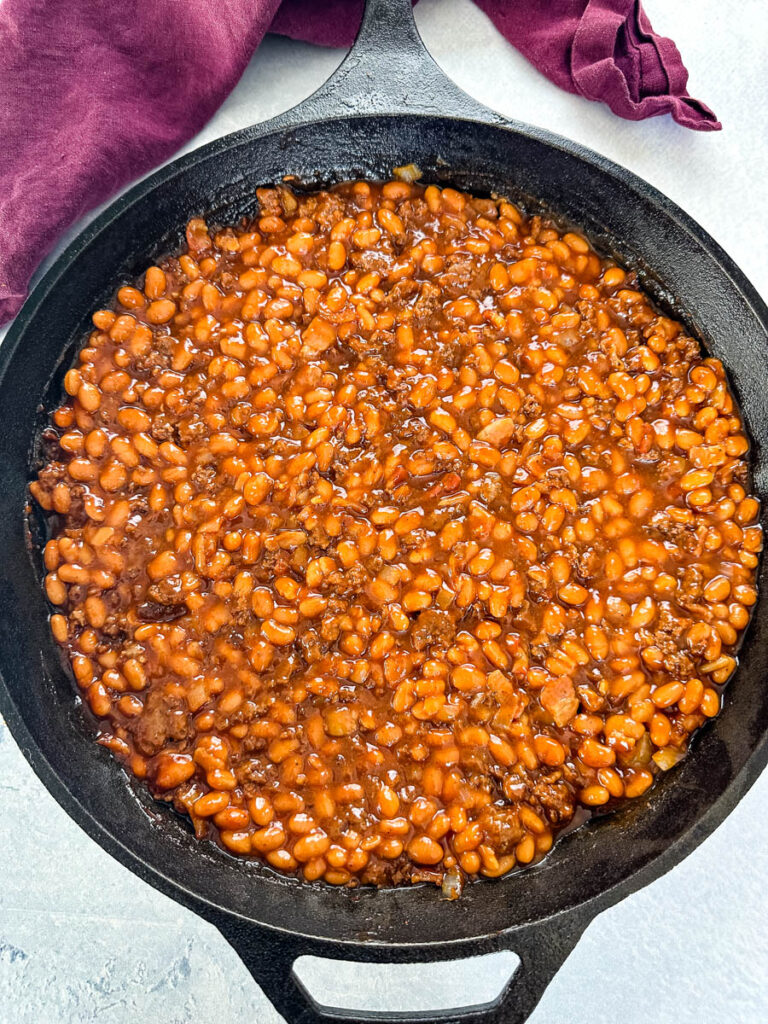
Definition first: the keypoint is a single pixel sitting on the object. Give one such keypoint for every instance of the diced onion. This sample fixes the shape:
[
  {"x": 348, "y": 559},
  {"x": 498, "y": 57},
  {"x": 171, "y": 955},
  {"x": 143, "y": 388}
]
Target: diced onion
[
  {"x": 408, "y": 172},
  {"x": 453, "y": 883},
  {"x": 668, "y": 757}
]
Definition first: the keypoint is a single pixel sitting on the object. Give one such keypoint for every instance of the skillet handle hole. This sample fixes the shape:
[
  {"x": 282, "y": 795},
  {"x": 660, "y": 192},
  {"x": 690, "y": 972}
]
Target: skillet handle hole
[{"x": 347, "y": 987}]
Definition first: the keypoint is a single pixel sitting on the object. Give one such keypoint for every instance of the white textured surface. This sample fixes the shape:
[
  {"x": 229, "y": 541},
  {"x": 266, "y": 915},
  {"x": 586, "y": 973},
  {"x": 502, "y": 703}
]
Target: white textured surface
[{"x": 82, "y": 939}]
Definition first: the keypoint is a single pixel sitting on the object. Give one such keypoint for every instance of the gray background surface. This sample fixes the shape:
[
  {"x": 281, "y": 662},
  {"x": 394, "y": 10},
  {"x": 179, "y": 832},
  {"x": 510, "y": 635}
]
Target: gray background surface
[{"x": 82, "y": 939}]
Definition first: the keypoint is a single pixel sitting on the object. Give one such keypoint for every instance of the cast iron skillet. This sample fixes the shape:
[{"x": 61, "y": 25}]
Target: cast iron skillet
[{"x": 387, "y": 105}]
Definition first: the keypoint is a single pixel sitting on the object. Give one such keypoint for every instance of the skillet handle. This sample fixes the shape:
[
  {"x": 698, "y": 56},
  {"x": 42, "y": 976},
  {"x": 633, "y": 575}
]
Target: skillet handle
[
  {"x": 387, "y": 71},
  {"x": 270, "y": 956}
]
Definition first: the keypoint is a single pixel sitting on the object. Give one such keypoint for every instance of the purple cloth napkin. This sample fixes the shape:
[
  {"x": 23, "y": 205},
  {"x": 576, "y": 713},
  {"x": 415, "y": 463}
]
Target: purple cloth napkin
[{"x": 95, "y": 93}]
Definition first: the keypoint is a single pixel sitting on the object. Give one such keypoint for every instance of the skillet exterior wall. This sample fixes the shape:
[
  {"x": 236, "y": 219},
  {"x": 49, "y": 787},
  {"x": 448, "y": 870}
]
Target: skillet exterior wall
[{"x": 111, "y": 876}]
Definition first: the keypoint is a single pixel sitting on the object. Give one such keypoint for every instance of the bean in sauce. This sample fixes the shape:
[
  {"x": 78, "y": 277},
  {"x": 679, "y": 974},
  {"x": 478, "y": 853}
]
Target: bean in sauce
[{"x": 394, "y": 530}]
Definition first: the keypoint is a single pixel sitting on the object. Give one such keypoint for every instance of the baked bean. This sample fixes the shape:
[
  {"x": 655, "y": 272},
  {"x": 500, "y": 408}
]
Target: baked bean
[
  {"x": 160, "y": 311},
  {"x": 155, "y": 283},
  {"x": 667, "y": 694},
  {"x": 375, "y": 560},
  {"x": 211, "y": 803},
  {"x": 424, "y": 850},
  {"x": 173, "y": 769}
]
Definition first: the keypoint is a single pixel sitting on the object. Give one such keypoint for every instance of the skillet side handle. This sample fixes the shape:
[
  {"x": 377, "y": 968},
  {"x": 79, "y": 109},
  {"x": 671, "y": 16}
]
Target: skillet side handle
[
  {"x": 270, "y": 957},
  {"x": 387, "y": 71}
]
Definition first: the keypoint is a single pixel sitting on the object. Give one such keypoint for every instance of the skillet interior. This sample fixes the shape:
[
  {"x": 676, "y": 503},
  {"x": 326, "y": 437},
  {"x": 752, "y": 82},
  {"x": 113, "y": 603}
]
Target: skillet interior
[{"x": 623, "y": 218}]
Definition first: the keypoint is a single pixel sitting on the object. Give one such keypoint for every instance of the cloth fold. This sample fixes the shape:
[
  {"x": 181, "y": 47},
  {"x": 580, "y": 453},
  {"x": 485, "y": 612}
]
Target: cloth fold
[{"x": 95, "y": 93}]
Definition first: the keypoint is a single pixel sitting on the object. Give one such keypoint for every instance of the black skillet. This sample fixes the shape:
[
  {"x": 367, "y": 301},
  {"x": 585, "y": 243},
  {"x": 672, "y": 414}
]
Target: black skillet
[{"x": 387, "y": 105}]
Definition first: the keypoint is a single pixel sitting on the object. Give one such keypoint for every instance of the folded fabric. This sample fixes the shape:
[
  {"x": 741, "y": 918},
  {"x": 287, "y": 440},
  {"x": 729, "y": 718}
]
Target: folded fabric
[
  {"x": 603, "y": 50},
  {"x": 95, "y": 93}
]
